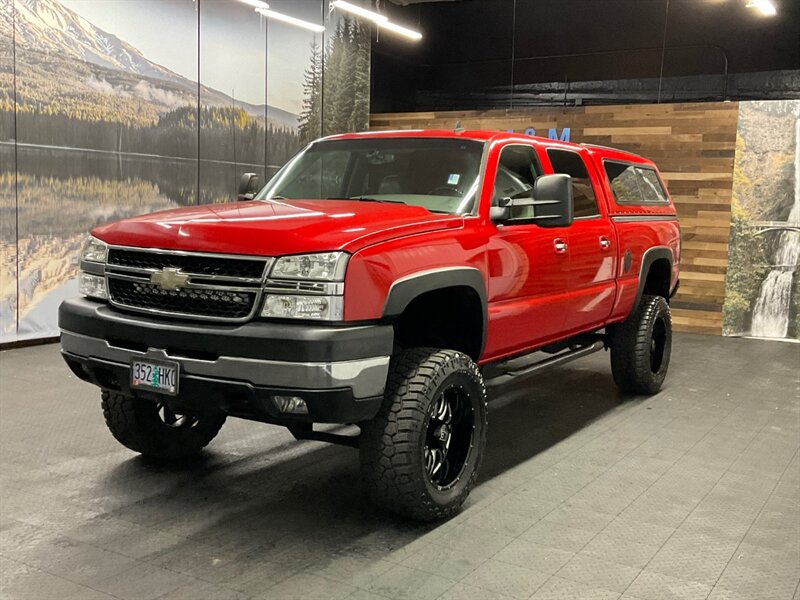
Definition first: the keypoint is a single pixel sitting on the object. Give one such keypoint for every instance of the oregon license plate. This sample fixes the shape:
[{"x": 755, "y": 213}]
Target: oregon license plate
[{"x": 155, "y": 375}]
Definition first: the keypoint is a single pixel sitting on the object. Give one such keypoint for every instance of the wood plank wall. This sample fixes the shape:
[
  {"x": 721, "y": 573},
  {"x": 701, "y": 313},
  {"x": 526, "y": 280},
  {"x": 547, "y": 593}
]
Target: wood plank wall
[{"x": 693, "y": 145}]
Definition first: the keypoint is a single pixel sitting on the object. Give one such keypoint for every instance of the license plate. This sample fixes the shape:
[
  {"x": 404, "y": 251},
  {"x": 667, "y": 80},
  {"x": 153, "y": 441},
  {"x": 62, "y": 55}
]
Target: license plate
[{"x": 155, "y": 375}]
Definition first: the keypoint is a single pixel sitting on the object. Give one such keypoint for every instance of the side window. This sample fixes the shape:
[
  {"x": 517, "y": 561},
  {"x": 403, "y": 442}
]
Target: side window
[
  {"x": 570, "y": 163},
  {"x": 517, "y": 170},
  {"x": 623, "y": 181},
  {"x": 652, "y": 188},
  {"x": 633, "y": 184}
]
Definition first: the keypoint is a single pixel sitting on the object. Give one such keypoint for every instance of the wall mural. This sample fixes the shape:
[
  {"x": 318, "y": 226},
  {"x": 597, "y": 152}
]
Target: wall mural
[
  {"x": 113, "y": 109},
  {"x": 763, "y": 284}
]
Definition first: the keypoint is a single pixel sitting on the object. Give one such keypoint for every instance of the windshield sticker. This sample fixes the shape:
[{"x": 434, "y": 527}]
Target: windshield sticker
[{"x": 453, "y": 178}]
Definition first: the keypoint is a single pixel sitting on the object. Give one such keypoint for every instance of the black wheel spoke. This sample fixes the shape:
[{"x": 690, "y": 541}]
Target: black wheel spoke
[
  {"x": 448, "y": 437},
  {"x": 174, "y": 420}
]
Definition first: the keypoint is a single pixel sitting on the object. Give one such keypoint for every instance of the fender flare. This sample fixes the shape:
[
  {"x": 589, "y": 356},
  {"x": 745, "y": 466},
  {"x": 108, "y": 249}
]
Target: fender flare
[
  {"x": 404, "y": 290},
  {"x": 650, "y": 256}
]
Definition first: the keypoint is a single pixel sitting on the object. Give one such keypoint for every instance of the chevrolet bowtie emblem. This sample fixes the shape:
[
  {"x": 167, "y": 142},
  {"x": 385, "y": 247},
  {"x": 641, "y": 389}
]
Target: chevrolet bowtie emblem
[{"x": 169, "y": 279}]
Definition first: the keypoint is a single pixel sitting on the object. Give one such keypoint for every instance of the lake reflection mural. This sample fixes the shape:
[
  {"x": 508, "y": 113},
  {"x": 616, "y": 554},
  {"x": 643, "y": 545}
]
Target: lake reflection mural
[{"x": 133, "y": 106}]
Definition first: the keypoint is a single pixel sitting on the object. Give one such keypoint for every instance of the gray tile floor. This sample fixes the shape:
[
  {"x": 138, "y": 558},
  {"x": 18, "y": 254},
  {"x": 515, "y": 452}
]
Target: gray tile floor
[{"x": 693, "y": 493}]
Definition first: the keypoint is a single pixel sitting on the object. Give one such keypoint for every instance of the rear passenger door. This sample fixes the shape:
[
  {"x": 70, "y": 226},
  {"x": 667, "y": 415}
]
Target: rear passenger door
[
  {"x": 592, "y": 250},
  {"x": 528, "y": 267}
]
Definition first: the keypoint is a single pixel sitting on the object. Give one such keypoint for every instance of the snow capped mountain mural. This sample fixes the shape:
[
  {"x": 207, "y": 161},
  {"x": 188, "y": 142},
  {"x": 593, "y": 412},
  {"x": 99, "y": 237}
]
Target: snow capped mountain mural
[
  {"x": 102, "y": 117},
  {"x": 49, "y": 32},
  {"x": 48, "y": 26}
]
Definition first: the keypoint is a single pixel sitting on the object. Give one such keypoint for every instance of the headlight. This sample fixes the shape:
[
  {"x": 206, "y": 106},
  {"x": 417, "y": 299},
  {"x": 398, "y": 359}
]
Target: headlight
[
  {"x": 295, "y": 306},
  {"x": 326, "y": 266},
  {"x": 93, "y": 286},
  {"x": 94, "y": 251}
]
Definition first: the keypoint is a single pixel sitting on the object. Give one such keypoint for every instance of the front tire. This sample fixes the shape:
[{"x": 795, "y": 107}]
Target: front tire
[
  {"x": 641, "y": 347},
  {"x": 153, "y": 430},
  {"x": 420, "y": 455}
]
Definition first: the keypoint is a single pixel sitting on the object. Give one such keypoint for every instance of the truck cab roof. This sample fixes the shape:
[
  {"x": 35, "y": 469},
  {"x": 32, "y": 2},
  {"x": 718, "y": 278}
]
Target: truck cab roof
[{"x": 484, "y": 135}]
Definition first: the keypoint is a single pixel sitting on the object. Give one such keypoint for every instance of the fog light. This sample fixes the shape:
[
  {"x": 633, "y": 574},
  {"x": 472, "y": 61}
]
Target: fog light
[
  {"x": 295, "y": 306},
  {"x": 93, "y": 286},
  {"x": 292, "y": 405}
]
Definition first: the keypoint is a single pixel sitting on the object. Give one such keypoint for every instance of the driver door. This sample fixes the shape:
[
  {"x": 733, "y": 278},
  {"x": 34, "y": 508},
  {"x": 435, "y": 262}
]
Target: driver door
[{"x": 528, "y": 265}]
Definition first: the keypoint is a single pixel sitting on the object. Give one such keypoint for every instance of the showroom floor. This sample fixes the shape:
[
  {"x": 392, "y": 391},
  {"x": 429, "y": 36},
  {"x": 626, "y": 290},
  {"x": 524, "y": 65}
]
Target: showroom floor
[{"x": 693, "y": 493}]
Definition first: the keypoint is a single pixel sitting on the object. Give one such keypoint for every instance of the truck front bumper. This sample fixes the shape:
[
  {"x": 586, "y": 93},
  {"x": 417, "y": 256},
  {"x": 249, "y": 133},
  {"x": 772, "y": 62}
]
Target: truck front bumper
[{"x": 340, "y": 372}]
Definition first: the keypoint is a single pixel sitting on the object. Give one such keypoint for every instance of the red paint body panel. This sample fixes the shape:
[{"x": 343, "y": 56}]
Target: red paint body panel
[
  {"x": 274, "y": 228},
  {"x": 536, "y": 294}
]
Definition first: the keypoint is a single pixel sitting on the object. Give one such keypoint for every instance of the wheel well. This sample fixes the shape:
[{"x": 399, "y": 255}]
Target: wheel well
[
  {"x": 659, "y": 277},
  {"x": 449, "y": 318}
]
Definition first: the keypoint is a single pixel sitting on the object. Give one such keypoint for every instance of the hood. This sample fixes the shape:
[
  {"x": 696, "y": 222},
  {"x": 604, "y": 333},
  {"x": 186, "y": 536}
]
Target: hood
[{"x": 274, "y": 228}]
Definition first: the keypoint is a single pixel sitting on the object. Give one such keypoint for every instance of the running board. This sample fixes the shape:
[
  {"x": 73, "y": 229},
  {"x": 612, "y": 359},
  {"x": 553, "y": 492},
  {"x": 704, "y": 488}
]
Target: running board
[{"x": 508, "y": 375}]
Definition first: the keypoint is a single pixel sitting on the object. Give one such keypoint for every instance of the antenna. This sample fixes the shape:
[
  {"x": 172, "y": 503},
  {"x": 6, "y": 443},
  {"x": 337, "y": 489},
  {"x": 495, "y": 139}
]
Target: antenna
[{"x": 458, "y": 128}]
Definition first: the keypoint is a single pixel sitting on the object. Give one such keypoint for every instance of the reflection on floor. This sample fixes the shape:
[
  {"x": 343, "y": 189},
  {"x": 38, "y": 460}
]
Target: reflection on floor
[{"x": 693, "y": 493}]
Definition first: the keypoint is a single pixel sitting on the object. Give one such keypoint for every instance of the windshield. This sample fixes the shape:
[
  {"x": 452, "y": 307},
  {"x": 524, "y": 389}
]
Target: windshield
[{"x": 440, "y": 175}]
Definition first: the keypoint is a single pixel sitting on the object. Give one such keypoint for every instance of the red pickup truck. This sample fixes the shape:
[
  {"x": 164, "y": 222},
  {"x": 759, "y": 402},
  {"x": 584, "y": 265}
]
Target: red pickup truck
[{"x": 382, "y": 280}]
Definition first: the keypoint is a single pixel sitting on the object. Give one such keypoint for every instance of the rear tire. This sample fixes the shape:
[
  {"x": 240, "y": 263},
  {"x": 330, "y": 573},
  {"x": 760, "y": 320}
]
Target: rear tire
[
  {"x": 420, "y": 455},
  {"x": 641, "y": 346},
  {"x": 154, "y": 431}
]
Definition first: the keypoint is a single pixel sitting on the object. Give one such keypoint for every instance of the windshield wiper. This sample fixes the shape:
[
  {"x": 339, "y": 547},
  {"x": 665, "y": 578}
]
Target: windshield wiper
[{"x": 368, "y": 199}]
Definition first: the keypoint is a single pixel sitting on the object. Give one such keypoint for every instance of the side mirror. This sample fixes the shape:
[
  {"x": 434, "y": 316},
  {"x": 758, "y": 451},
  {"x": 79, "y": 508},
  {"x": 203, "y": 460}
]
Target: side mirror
[
  {"x": 549, "y": 206},
  {"x": 553, "y": 204},
  {"x": 248, "y": 186},
  {"x": 501, "y": 212}
]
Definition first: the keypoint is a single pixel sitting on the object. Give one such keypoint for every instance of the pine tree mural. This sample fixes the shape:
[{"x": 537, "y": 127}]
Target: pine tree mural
[
  {"x": 310, "y": 127},
  {"x": 336, "y": 85}
]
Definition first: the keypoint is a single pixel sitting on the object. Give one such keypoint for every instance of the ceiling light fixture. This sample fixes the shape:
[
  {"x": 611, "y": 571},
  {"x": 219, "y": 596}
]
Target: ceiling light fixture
[
  {"x": 271, "y": 14},
  {"x": 399, "y": 29},
  {"x": 380, "y": 20},
  {"x": 766, "y": 7},
  {"x": 361, "y": 12}
]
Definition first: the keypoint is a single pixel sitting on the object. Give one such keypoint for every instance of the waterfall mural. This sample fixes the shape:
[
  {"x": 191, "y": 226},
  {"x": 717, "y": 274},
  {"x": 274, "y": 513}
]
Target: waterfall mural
[{"x": 763, "y": 282}]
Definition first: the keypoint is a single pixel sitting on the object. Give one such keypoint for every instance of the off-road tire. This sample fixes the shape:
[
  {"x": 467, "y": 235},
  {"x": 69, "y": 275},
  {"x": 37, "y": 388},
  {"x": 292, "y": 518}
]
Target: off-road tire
[
  {"x": 392, "y": 444},
  {"x": 640, "y": 347},
  {"x": 136, "y": 424}
]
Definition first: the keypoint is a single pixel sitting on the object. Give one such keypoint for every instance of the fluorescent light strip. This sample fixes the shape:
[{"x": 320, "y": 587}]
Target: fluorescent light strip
[
  {"x": 361, "y": 12},
  {"x": 271, "y": 14},
  {"x": 399, "y": 29},
  {"x": 255, "y": 3},
  {"x": 766, "y": 7},
  {"x": 380, "y": 20}
]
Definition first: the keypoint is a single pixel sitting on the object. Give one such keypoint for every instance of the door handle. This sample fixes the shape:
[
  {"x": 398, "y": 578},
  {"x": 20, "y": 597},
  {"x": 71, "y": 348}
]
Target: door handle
[
  {"x": 605, "y": 243},
  {"x": 560, "y": 246}
]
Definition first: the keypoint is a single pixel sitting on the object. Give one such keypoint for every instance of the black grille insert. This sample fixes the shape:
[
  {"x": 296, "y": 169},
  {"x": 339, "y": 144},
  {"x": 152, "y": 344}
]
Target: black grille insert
[
  {"x": 199, "y": 264},
  {"x": 220, "y": 304}
]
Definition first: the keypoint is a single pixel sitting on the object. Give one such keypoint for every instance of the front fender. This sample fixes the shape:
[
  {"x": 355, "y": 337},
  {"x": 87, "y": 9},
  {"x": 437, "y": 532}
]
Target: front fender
[{"x": 405, "y": 289}]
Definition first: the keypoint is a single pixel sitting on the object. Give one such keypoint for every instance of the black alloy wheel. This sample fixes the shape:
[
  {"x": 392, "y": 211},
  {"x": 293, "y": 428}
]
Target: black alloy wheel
[{"x": 448, "y": 441}]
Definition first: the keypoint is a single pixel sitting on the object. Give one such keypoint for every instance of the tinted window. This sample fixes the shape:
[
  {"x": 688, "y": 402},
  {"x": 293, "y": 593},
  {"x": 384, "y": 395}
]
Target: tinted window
[
  {"x": 652, "y": 188},
  {"x": 517, "y": 170},
  {"x": 623, "y": 181},
  {"x": 632, "y": 184},
  {"x": 570, "y": 163}
]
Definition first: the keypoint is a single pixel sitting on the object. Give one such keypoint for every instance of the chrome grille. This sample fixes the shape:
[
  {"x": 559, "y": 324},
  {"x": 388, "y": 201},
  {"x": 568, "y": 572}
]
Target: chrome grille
[
  {"x": 218, "y": 288},
  {"x": 200, "y": 264}
]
